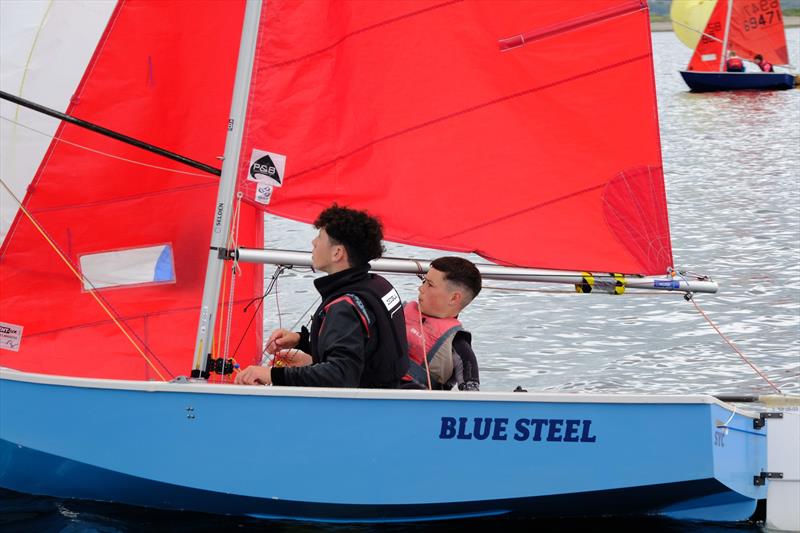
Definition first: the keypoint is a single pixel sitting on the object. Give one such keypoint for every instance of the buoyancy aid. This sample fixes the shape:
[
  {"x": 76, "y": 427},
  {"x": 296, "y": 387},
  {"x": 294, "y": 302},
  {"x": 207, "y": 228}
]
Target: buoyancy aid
[
  {"x": 437, "y": 335},
  {"x": 389, "y": 361},
  {"x": 766, "y": 67},
  {"x": 734, "y": 64}
]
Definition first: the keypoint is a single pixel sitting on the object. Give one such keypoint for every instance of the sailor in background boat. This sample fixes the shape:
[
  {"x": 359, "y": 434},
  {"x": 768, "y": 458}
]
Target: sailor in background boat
[
  {"x": 433, "y": 328},
  {"x": 734, "y": 63},
  {"x": 357, "y": 336},
  {"x": 765, "y": 66}
]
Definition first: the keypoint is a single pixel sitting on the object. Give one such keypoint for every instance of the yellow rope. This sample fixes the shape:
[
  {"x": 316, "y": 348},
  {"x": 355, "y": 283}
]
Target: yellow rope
[
  {"x": 81, "y": 278},
  {"x": 30, "y": 54}
]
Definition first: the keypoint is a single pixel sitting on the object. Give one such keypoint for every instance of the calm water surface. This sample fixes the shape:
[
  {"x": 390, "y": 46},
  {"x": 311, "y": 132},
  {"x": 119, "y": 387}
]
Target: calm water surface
[{"x": 732, "y": 168}]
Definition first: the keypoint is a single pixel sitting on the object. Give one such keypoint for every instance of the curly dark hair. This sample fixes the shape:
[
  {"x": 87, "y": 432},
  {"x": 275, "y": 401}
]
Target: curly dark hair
[
  {"x": 461, "y": 272},
  {"x": 359, "y": 232}
]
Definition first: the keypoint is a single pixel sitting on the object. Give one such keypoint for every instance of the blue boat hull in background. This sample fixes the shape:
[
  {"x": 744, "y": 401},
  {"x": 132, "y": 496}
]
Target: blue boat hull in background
[
  {"x": 376, "y": 456},
  {"x": 734, "y": 81}
]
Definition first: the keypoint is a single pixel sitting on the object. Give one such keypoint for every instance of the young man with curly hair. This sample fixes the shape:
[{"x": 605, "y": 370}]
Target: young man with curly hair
[{"x": 357, "y": 336}]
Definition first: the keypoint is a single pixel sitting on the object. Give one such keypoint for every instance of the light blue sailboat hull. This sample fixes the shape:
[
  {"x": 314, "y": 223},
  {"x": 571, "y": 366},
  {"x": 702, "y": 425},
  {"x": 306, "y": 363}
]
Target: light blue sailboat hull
[{"x": 356, "y": 455}]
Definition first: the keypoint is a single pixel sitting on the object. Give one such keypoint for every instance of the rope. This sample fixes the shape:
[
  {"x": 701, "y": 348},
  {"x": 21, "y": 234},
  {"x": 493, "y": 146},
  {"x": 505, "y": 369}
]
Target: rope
[
  {"x": 30, "y": 52},
  {"x": 273, "y": 283},
  {"x": 735, "y": 349},
  {"x": 424, "y": 348},
  {"x": 81, "y": 278},
  {"x": 106, "y": 154},
  {"x": 233, "y": 239}
]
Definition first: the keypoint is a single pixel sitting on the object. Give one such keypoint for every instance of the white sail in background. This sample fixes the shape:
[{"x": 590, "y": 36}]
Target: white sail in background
[{"x": 44, "y": 50}]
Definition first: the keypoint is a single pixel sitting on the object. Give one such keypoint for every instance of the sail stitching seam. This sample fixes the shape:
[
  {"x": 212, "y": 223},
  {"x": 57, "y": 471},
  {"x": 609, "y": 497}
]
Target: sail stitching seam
[{"x": 466, "y": 111}]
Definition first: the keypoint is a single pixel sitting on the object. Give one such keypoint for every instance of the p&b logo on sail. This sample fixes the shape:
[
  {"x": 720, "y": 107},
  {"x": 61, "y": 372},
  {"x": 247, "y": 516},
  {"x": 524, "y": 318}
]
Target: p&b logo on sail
[{"x": 267, "y": 168}]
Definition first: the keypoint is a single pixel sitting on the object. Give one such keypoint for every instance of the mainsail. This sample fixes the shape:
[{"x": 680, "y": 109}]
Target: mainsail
[{"x": 522, "y": 133}]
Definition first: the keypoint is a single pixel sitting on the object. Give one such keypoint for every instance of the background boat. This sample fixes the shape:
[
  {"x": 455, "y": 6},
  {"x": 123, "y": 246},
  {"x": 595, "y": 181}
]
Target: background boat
[{"x": 715, "y": 29}]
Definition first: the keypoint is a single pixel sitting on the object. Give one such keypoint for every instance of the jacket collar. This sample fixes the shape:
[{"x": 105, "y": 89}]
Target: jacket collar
[{"x": 332, "y": 283}]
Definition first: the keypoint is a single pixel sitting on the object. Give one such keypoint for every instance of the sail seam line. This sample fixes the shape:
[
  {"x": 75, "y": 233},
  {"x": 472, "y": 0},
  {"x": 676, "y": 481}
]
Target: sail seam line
[
  {"x": 466, "y": 111},
  {"x": 362, "y": 30}
]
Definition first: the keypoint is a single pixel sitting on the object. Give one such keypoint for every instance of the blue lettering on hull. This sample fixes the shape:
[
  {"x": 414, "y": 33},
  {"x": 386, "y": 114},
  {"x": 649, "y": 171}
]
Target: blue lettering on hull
[{"x": 524, "y": 429}]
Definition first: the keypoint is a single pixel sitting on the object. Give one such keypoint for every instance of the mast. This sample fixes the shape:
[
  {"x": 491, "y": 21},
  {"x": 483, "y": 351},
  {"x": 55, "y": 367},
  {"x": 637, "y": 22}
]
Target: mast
[
  {"x": 602, "y": 282},
  {"x": 725, "y": 36},
  {"x": 227, "y": 185}
]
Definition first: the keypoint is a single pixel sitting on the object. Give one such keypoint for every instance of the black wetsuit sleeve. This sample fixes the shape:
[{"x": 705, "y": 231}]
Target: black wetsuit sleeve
[
  {"x": 463, "y": 350},
  {"x": 342, "y": 347}
]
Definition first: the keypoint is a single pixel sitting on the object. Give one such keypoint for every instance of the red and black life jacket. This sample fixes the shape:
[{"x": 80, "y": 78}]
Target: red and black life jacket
[
  {"x": 389, "y": 361},
  {"x": 734, "y": 64}
]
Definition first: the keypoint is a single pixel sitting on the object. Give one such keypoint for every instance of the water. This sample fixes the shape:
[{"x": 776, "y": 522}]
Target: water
[{"x": 732, "y": 169}]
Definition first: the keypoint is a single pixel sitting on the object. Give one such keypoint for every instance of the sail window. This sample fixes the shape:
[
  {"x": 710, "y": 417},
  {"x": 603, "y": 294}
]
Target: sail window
[{"x": 133, "y": 266}]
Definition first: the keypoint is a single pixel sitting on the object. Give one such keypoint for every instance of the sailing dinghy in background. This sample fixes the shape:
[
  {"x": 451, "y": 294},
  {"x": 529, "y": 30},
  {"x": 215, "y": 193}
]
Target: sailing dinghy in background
[
  {"x": 714, "y": 27},
  {"x": 105, "y": 305}
]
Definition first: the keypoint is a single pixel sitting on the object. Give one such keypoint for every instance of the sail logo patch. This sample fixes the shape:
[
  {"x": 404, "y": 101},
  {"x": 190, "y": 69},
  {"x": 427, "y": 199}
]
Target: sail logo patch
[
  {"x": 10, "y": 336},
  {"x": 263, "y": 193},
  {"x": 267, "y": 168}
]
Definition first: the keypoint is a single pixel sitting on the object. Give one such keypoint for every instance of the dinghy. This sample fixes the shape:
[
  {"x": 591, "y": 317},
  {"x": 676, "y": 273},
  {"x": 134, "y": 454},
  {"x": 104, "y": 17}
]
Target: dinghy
[
  {"x": 117, "y": 331},
  {"x": 713, "y": 28}
]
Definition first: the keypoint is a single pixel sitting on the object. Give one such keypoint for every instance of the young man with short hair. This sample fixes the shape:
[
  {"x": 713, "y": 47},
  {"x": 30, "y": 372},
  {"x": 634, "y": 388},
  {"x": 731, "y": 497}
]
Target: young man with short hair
[{"x": 433, "y": 328}]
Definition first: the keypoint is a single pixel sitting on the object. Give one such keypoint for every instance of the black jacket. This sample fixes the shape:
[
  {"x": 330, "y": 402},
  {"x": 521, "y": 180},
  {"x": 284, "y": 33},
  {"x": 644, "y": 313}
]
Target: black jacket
[{"x": 357, "y": 336}]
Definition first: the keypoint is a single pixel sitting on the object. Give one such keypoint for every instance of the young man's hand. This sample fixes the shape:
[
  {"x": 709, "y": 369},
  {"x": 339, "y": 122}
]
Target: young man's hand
[
  {"x": 254, "y": 375},
  {"x": 282, "y": 339}
]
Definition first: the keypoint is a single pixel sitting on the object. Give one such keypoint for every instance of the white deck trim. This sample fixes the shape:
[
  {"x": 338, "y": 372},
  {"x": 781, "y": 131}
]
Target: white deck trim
[{"x": 374, "y": 394}]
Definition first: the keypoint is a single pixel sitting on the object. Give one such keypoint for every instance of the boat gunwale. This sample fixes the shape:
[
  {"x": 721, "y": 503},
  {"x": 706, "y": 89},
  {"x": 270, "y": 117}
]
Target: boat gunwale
[{"x": 373, "y": 394}]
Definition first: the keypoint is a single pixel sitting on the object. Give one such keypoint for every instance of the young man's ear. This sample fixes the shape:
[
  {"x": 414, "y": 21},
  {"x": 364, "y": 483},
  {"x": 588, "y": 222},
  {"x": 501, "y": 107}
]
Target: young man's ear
[
  {"x": 341, "y": 254},
  {"x": 457, "y": 298}
]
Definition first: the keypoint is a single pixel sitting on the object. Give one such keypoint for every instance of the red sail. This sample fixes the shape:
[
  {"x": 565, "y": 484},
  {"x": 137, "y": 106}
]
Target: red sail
[
  {"x": 707, "y": 55},
  {"x": 757, "y": 28},
  {"x": 526, "y": 131},
  {"x": 163, "y": 73}
]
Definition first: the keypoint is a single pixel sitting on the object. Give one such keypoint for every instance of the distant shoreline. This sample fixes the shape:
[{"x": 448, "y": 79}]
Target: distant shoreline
[{"x": 665, "y": 25}]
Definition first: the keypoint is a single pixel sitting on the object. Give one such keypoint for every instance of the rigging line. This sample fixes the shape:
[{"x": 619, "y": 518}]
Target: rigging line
[
  {"x": 82, "y": 279},
  {"x": 307, "y": 311},
  {"x": 704, "y": 34},
  {"x": 273, "y": 283},
  {"x": 233, "y": 238},
  {"x": 35, "y": 42},
  {"x": 733, "y": 346},
  {"x": 109, "y": 133},
  {"x": 424, "y": 347},
  {"x": 220, "y": 309},
  {"x": 132, "y": 161}
]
